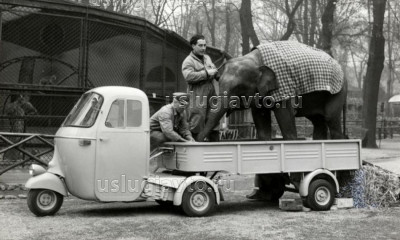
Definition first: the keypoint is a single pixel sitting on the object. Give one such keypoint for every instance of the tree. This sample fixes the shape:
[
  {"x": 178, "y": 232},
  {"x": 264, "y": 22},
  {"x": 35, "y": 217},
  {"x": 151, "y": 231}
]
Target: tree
[
  {"x": 246, "y": 24},
  {"x": 186, "y": 18},
  {"x": 314, "y": 21},
  {"x": 228, "y": 27},
  {"x": 158, "y": 10},
  {"x": 327, "y": 27},
  {"x": 374, "y": 70},
  {"x": 305, "y": 23},
  {"x": 211, "y": 20},
  {"x": 290, "y": 14}
]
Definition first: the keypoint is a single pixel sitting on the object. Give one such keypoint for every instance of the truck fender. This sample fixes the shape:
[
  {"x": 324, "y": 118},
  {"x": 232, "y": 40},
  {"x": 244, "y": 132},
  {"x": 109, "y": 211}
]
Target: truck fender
[
  {"x": 47, "y": 181},
  {"x": 305, "y": 182},
  {"x": 186, "y": 183}
]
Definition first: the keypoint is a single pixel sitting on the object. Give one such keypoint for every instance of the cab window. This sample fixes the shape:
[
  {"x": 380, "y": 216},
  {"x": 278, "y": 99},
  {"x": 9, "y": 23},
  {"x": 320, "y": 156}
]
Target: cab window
[
  {"x": 134, "y": 113},
  {"x": 115, "y": 118},
  {"x": 85, "y": 112}
]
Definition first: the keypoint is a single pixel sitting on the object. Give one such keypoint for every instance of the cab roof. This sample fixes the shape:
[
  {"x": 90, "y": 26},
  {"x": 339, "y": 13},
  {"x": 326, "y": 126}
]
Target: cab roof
[{"x": 116, "y": 91}]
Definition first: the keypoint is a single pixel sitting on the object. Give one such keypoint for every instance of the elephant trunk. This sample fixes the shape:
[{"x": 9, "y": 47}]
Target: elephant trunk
[{"x": 213, "y": 119}]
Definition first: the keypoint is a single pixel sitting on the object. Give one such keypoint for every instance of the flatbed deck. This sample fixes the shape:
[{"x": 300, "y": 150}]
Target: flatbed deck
[{"x": 263, "y": 156}]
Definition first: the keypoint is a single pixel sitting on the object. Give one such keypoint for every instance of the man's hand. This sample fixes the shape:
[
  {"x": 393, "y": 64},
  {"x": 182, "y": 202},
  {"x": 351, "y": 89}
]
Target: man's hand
[
  {"x": 211, "y": 72},
  {"x": 190, "y": 138}
]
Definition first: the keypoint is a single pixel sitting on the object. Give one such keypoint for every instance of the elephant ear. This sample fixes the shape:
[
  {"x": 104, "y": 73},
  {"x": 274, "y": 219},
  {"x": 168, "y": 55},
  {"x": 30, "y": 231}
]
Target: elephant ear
[{"x": 267, "y": 81}]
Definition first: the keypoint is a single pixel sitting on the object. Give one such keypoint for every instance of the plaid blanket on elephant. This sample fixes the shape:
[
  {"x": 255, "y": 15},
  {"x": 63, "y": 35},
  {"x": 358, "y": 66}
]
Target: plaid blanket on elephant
[{"x": 301, "y": 69}]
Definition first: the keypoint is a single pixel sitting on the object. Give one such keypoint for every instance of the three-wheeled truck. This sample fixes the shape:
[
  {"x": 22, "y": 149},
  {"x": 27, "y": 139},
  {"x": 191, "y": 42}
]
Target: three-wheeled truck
[{"x": 102, "y": 153}]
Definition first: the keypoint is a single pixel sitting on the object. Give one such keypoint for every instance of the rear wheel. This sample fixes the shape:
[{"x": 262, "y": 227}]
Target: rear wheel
[
  {"x": 44, "y": 202},
  {"x": 198, "y": 199},
  {"x": 321, "y": 195}
]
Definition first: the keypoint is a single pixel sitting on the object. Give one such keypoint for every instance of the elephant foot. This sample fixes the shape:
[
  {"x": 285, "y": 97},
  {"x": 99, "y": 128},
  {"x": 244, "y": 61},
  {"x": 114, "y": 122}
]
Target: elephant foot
[{"x": 259, "y": 195}]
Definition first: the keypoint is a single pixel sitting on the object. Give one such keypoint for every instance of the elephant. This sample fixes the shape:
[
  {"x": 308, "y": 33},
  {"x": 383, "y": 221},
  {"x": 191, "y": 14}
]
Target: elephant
[
  {"x": 247, "y": 78},
  {"x": 262, "y": 73}
]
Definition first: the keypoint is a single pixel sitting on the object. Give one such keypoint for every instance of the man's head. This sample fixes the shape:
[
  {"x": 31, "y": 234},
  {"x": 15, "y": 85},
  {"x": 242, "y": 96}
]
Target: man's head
[
  {"x": 180, "y": 101},
  {"x": 198, "y": 43}
]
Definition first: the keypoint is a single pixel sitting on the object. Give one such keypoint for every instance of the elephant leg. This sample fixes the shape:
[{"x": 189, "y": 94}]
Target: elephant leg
[
  {"x": 285, "y": 116},
  {"x": 333, "y": 113},
  {"x": 320, "y": 131},
  {"x": 262, "y": 122},
  {"x": 335, "y": 127}
]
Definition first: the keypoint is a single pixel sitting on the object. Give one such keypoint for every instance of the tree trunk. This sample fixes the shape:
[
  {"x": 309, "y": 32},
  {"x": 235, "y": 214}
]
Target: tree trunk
[
  {"x": 305, "y": 23},
  {"x": 211, "y": 20},
  {"x": 389, "y": 84},
  {"x": 314, "y": 20},
  {"x": 228, "y": 28},
  {"x": 187, "y": 21},
  {"x": 291, "y": 23},
  {"x": 327, "y": 26},
  {"x": 199, "y": 27},
  {"x": 374, "y": 70},
  {"x": 246, "y": 24}
]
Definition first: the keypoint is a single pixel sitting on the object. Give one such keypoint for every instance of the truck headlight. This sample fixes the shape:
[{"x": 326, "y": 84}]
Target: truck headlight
[{"x": 35, "y": 170}]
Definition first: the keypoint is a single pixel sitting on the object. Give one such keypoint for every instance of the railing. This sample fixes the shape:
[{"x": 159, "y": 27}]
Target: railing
[{"x": 18, "y": 149}]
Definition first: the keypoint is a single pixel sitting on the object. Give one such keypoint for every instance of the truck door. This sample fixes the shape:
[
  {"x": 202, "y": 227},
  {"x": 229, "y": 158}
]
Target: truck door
[{"x": 122, "y": 151}]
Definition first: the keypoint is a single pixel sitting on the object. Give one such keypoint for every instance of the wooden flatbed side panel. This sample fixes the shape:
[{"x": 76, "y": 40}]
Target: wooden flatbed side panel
[
  {"x": 302, "y": 157},
  {"x": 260, "y": 159},
  {"x": 342, "y": 156},
  {"x": 210, "y": 158}
]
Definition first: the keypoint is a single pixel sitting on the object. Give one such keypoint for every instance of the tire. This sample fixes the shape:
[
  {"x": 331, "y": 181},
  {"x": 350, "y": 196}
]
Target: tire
[
  {"x": 198, "y": 200},
  {"x": 44, "y": 202},
  {"x": 321, "y": 195}
]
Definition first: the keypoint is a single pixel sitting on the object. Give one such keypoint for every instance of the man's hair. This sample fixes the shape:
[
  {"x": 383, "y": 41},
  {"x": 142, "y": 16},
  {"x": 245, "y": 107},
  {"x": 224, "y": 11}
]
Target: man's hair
[{"x": 196, "y": 37}]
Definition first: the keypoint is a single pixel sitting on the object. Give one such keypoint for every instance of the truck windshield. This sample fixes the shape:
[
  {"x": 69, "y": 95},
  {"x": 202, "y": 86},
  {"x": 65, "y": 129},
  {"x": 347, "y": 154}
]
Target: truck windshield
[{"x": 85, "y": 112}]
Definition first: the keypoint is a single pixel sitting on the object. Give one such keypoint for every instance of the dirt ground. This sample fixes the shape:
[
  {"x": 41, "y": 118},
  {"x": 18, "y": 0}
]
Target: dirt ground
[{"x": 236, "y": 218}]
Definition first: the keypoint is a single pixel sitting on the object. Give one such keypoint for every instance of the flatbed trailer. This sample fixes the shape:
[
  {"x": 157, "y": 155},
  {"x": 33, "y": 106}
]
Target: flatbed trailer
[{"x": 311, "y": 166}]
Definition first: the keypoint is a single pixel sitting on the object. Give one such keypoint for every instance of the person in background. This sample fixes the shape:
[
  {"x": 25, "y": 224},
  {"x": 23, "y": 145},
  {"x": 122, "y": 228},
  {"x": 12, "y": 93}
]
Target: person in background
[
  {"x": 170, "y": 122},
  {"x": 199, "y": 72}
]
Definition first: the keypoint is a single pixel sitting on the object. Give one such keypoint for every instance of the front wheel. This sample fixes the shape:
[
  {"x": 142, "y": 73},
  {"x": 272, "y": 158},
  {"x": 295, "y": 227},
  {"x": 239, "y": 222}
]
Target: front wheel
[
  {"x": 198, "y": 200},
  {"x": 321, "y": 195},
  {"x": 44, "y": 202}
]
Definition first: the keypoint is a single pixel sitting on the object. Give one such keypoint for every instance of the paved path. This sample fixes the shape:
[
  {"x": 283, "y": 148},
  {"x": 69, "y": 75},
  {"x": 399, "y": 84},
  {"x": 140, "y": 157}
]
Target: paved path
[{"x": 386, "y": 157}]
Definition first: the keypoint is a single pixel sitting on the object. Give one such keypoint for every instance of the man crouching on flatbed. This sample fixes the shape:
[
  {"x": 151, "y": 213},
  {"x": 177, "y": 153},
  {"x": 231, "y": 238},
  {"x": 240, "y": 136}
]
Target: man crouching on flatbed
[{"x": 170, "y": 122}]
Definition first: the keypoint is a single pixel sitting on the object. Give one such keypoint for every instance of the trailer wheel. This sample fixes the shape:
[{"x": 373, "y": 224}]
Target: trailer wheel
[
  {"x": 44, "y": 202},
  {"x": 198, "y": 200},
  {"x": 321, "y": 195}
]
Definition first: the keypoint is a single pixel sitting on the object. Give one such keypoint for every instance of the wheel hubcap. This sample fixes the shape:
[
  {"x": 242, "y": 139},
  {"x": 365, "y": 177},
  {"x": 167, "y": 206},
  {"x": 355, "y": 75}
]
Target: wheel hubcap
[
  {"x": 322, "y": 195},
  {"x": 199, "y": 200},
  {"x": 46, "y": 200}
]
